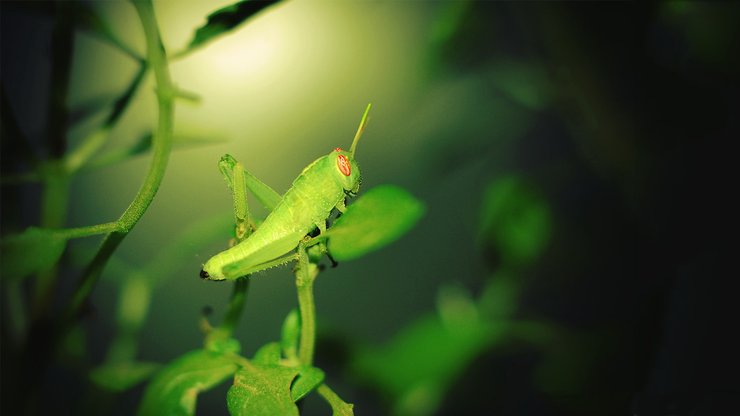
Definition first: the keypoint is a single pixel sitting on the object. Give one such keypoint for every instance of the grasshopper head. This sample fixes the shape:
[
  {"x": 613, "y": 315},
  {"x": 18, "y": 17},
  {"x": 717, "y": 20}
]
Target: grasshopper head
[{"x": 346, "y": 170}]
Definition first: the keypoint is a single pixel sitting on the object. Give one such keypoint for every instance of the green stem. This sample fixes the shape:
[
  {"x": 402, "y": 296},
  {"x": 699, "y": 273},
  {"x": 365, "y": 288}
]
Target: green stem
[
  {"x": 308, "y": 323},
  {"x": 305, "y": 275},
  {"x": 88, "y": 230},
  {"x": 162, "y": 144},
  {"x": 338, "y": 406},
  {"x": 53, "y": 215},
  {"x": 236, "y": 305}
]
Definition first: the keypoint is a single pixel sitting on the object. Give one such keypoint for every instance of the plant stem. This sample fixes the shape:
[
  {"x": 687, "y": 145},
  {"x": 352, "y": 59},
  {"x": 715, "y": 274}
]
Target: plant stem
[
  {"x": 162, "y": 144},
  {"x": 236, "y": 305},
  {"x": 53, "y": 215},
  {"x": 88, "y": 230},
  {"x": 305, "y": 275},
  {"x": 338, "y": 406},
  {"x": 61, "y": 49},
  {"x": 308, "y": 323}
]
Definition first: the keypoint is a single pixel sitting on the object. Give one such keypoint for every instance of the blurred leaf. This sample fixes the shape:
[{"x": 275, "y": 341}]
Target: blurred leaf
[
  {"x": 86, "y": 18},
  {"x": 174, "y": 390},
  {"x": 226, "y": 19},
  {"x": 420, "y": 362},
  {"x": 455, "y": 306},
  {"x": 500, "y": 296},
  {"x": 290, "y": 334},
  {"x": 90, "y": 107},
  {"x": 34, "y": 250},
  {"x": 122, "y": 376},
  {"x": 379, "y": 217},
  {"x": 262, "y": 390},
  {"x": 144, "y": 144},
  {"x": 515, "y": 219},
  {"x": 308, "y": 379},
  {"x": 525, "y": 83}
]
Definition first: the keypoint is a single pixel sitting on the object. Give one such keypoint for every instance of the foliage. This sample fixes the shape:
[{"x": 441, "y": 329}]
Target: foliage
[{"x": 281, "y": 373}]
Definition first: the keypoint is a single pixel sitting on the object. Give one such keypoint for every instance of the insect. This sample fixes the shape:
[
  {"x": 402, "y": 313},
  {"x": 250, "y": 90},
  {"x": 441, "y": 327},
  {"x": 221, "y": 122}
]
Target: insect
[{"x": 321, "y": 187}]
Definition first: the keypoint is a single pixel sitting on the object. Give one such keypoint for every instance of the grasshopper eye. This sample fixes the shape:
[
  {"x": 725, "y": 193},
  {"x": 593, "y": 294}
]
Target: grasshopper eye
[
  {"x": 338, "y": 149},
  {"x": 343, "y": 164}
]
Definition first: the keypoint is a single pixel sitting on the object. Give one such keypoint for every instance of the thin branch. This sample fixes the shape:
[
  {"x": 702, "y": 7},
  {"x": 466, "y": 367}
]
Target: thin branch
[{"x": 162, "y": 144}]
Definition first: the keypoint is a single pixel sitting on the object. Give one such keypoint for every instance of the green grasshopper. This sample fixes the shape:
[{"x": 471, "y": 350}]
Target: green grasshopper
[{"x": 305, "y": 207}]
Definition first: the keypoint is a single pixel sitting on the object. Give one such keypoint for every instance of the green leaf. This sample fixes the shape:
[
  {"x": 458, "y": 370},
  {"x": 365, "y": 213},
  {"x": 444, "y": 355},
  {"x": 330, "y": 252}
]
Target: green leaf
[
  {"x": 268, "y": 354},
  {"x": 379, "y": 217},
  {"x": 120, "y": 377},
  {"x": 515, "y": 219},
  {"x": 308, "y": 379},
  {"x": 225, "y": 19},
  {"x": 291, "y": 332},
  {"x": 174, "y": 390},
  {"x": 34, "y": 250},
  {"x": 262, "y": 390}
]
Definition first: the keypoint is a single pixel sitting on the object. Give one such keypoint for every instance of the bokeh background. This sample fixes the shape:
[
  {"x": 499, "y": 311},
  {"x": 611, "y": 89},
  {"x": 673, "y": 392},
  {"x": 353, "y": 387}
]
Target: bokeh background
[{"x": 575, "y": 160}]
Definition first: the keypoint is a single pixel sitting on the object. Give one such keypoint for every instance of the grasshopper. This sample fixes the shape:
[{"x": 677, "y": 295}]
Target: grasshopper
[{"x": 321, "y": 187}]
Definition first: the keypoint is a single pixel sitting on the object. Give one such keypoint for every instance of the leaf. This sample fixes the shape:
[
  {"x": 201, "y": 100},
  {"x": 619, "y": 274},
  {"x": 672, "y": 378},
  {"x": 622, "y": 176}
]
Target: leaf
[
  {"x": 379, "y": 217},
  {"x": 34, "y": 250},
  {"x": 290, "y": 334},
  {"x": 268, "y": 354},
  {"x": 144, "y": 144},
  {"x": 262, "y": 390},
  {"x": 420, "y": 363},
  {"x": 119, "y": 377},
  {"x": 174, "y": 390},
  {"x": 308, "y": 379},
  {"x": 515, "y": 219},
  {"x": 225, "y": 19}
]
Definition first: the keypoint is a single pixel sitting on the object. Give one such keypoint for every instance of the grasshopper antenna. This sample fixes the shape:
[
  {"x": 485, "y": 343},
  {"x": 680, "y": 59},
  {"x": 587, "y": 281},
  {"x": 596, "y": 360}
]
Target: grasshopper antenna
[{"x": 360, "y": 129}]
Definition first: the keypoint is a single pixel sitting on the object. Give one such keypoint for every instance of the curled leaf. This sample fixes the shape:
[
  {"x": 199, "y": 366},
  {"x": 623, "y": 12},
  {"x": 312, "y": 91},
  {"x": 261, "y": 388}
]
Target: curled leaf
[
  {"x": 308, "y": 379},
  {"x": 225, "y": 19}
]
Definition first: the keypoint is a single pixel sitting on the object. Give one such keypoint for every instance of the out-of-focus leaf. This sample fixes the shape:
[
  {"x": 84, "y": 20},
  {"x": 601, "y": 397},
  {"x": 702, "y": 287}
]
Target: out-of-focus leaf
[
  {"x": 225, "y": 19},
  {"x": 379, "y": 217},
  {"x": 525, "y": 83},
  {"x": 515, "y": 219},
  {"x": 262, "y": 390},
  {"x": 174, "y": 390},
  {"x": 500, "y": 295},
  {"x": 86, "y": 109},
  {"x": 419, "y": 364},
  {"x": 290, "y": 334},
  {"x": 122, "y": 376},
  {"x": 34, "y": 250},
  {"x": 86, "y": 18},
  {"x": 144, "y": 144},
  {"x": 308, "y": 379}
]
